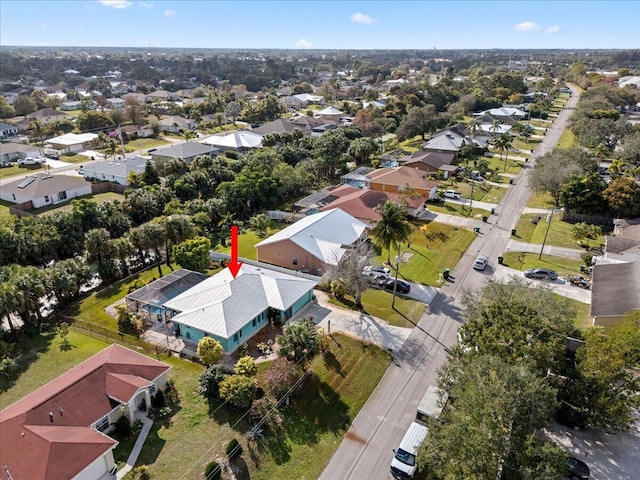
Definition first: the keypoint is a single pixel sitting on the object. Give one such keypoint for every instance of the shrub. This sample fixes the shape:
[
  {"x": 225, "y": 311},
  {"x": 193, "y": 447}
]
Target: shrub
[
  {"x": 231, "y": 155},
  {"x": 209, "y": 381},
  {"x": 280, "y": 376},
  {"x": 238, "y": 390},
  {"x": 157, "y": 401},
  {"x": 123, "y": 427},
  {"x": 234, "y": 449},
  {"x": 266, "y": 408},
  {"x": 209, "y": 350},
  {"x": 142, "y": 473},
  {"x": 246, "y": 366},
  {"x": 8, "y": 372},
  {"x": 212, "y": 471},
  {"x": 298, "y": 340}
]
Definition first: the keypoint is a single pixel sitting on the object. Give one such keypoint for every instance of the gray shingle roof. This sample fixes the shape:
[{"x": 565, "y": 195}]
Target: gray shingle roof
[{"x": 184, "y": 150}]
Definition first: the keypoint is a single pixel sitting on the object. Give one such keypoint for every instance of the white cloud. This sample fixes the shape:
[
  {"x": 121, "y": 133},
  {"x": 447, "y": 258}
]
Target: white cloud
[
  {"x": 118, "y": 4},
  {"x": 527, "y": 27},
  {"x": 145, "y": 5},
  {"x": 362, "y": 18},
  {"x": 303, "y": 43},
  {"x": 169, "y": 13},
  {"x": 553, "y": 29}
]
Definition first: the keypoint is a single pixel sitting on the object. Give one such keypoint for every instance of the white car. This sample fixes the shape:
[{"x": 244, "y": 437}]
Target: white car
[
  {"x": 452, "y": 194},
  {"x": 481, "y": 262},
  {"x": 377, "y": 272},
  {"x": 30, "y": 161}
]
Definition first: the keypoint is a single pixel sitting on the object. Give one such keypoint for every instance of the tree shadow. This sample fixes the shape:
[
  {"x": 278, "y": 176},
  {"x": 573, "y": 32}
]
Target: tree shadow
[
  {"x": 416, "y": 326},
  {"x": 332, "y": 363},
  {"x": 240, "y": 469},
  {"x": 26, "y": 351},
  {"x": 154, "y": 443}
]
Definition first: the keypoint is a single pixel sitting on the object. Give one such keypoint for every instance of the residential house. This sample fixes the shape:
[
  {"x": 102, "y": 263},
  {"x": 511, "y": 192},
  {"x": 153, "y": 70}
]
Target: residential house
[
  {"x": 7, "y": 131},
  {"x": 47, "y": 116},
  {"x": 490, "y": 119},
  {"x": 357, "y": 178},
  {"x": 176, "y": 124},
  {"x": 280, "y": 126},
  {"x": 504, "y": 113},
  {"x": 233, "y": 309},
  {"x": 186, "y": 152},
  {"x": 615, "y": 291},
  {"x": 78, "y": 105},
  {"x": 361, "y": 203},
  {"x": 117, "y": 103},
  {"x": 73, "y": 142},
  {"x": 452, "y": 139},
  {"x": 430, "y": 162},
  {"x": 329, "y": 114},
  {"x": 45, "y": 189},
  {"x": 624, "y": 244},
  {"x": 239, "y": 141},
  {"x": 159, "y": 95},
  {"x": 116, "y": 171},
  {"x": 404, "y": 180},
  {"x": 12, "y": 152},
  {"x": 313, "y": 242},
  {"x": 59, "y": 430},
  {"x": 138, "y": 131}
]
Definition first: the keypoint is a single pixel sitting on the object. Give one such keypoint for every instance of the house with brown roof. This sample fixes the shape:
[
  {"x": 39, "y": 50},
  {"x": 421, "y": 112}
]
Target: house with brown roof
[
  {"x": 177, "y": 124},
  {"x": 402, "y": 179},
  {"x": 44, "y": 189},
  {"x": 430, "y": 162},
  {"x": 59, "y": 430},
  {"x": 47, "y": 116},
  {"x": 361, "y": 203}
]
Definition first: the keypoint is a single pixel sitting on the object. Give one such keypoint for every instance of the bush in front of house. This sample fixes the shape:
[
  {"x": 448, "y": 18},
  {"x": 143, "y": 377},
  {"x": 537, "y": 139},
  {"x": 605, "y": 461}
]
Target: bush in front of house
[
  {"x": 212, "y": 471},
  {"x": 157, "y": 401},
  {"x": 123, "y": 427}
]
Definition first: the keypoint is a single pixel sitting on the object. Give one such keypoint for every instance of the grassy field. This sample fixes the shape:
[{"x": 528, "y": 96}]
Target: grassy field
[
  {"x": 145, "y": 144},
  {"x": 377, "y": 303},
  {"x": 564, "y": 266},
  {"x": 495, "y": 162},
  {"x": 73, "y": 158},
  {"x": 459, "y": 210},
  {"x": 6, "y": 218},
  {"x": 98, "y": 198},
  {"x": 567, "y": 139},
  {"x": 16, "y": 170},
  {"x": 482, "y": 192},
  {"x": 540, "y": 200},
  {"x": 559, "y": 232},
  {"x": 411, "y": 145},
  {"x": 247, "y": 240},
  {"x": 432, "y": 250}
]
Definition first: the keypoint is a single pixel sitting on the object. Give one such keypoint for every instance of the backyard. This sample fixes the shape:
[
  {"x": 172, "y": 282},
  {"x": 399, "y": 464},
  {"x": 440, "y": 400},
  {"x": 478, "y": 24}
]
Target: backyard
[
  {"x": 247, "y": 240},
  {"x": 98, "y": 198}
]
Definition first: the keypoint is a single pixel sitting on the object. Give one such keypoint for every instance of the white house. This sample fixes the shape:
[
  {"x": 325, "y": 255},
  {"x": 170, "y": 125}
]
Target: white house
[
  {"x": 239, "y": 141},
  {"x": 114, "y": 171},
  {"x": 175, "y": 124},
  {"x": 45, "y": 189},
  {"x": 73, "y": 142},
  {"x": 7, "y": 131}
]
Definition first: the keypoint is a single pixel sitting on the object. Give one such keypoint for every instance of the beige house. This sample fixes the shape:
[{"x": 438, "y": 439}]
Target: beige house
[
  {"x": 313, "y": 242},
  {"x": 401, "y": 180},
  {"x": 615, "y": 291}
]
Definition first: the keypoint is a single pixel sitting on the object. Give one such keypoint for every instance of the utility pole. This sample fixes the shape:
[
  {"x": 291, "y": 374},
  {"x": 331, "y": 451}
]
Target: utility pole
[
  {"x": 547, "y": 232},
  {"x": 395, "y": 283},
  {"x": 473, "y": 182}
]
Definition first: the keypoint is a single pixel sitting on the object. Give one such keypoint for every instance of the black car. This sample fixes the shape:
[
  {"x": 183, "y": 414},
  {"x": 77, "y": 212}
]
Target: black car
[
  {"x": 577, "y": 469},
  {"x": 571, "y": 417},
  {"x": 401, "y": 286}
]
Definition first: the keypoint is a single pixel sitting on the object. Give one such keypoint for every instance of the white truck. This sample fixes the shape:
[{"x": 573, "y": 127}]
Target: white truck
[
  {"x": 403, "y": 464},
  {"x": 431, "y": 405}
]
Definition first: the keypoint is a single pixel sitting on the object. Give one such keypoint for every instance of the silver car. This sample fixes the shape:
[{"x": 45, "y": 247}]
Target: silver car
[{"x": 541, "y": 273}]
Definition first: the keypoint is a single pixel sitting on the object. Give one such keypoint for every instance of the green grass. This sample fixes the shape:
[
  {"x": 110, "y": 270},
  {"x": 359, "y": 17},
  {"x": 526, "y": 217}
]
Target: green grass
[
  {"x": 438, "y": 247},
  {"x": 92, "y": 308},
  {"x": 98, "y": 198},
  {"x": 540, "y": 200},
  {"x": 16, "y": 170},
  {"x": 73, "y": 158},
  {"x": 567, "y": 139},
  {"x": 458, "y": 210},
  {"x": 247, "y": 240},
  {"x": 495, "y": 162},
  {"x": 411, "y": 145},
  {"x": 41, "y": 360},
  {"x": 583, "y": 313},
  {"x": 375, "y": 302},
  {"x": 482, "y": 192},
  {"x": 564, "y": 266},
  {"x": 145, "y": 144},
  {"x": 6, "y": 219},
  {"x": 559, "y": 232}
]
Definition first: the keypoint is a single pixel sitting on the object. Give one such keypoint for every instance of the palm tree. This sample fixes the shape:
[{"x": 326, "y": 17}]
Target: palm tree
[
  {"x": 188, "y": 134},
  {"x": 111, "y": 148},
  {"x": 474, "y": 126},
  {"x": 392, "y": 228},
  {"x": 8, "y": 304},
  {"x": 177, "y": 228},
  {"x": 153, "y": 237},
  {"x": 617, "y": 168},
  {"x": 100, "y": 251},
  {"x": 503, "y": 143},
  {"x": 495, "y": 126},
  {"x": 122, "y": 248},
  {"x": 39, "y": 131}
]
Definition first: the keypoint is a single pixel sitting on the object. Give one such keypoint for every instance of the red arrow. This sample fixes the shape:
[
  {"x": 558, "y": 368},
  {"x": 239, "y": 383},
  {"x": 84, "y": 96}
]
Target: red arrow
[{"x": 234, "y": 265}]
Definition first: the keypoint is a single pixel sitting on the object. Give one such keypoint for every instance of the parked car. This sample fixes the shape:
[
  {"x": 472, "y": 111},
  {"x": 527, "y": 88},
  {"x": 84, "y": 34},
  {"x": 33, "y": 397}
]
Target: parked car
[
  {"x": 452, "y": 194},
  {"x": 481, "y": 262},
  {"x": 371, "y": 271},
  {"x": 30, "y": 160},
  {"x": 577, "y": 469},
  {"x": 476, "y": 176},
  {"x": 401, "y": 285},
  {"x": 541, "y": 273},
  {"x": 570, "y": 416}
]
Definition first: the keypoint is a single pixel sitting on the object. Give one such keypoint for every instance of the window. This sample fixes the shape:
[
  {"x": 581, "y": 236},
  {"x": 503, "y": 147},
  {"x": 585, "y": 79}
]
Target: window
[
  {"x": 62, "y": 195},
  {"x": 102, "y": 424},
  {"x": 152, "y": 389},
  {"x": 235, "y": 337},
  {"x": 254, "y": 323},
  {"x": 46, "y": 198},
  {"x": 295, "y": 261},
  {"x": 240, "y": 332}
]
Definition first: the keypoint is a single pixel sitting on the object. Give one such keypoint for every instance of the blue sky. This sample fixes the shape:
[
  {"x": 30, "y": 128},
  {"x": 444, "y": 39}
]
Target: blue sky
[{"x": 326, "y": 25}]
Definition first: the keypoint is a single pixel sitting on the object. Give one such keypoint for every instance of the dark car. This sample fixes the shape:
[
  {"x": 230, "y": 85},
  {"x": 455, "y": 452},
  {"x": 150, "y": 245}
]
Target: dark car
[
  {"x": 401, "y": 286},
  {"x": 577, "y": 469},
  {"x": 541, "y": 273},
  {"x": 570, "y": 416}
]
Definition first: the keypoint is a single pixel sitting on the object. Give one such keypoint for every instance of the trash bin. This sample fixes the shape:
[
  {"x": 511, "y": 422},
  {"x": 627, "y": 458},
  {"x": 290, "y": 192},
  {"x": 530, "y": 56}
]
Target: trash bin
[
  {"x": 493, "y": 211},
  {"x": 583, "y": 268},
  {"x": 484, "y": 219},
  {"x": 511, "y": 181},
  {"x": 500, "y": 259},
  {"x": 476, "y": 230},
  {"x": 513, "y": 232}
]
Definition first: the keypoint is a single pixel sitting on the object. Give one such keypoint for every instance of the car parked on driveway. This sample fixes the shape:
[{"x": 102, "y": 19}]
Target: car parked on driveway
[
  {"x": 373, "y": 271},
  {"x": 541, "y": 273},
  {"x": 481, "y": 262},
  {"x": 401, "y": 285},
  {"x": 452, "y": 194},
  {"x": 577, "y": 469},
  {"x": 30, "y": 160}
]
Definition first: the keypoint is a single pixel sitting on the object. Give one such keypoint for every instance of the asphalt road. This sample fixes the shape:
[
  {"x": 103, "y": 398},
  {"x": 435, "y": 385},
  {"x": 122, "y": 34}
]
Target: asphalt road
[{"x": 366, "y": 451}]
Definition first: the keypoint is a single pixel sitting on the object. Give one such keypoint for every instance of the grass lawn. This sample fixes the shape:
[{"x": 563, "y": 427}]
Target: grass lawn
[
  {"x": 458, "y": 209},
  {"x": 482, "y": 192},
  {"x": 248, "y": 238},
  {"x": 16, "y": 170},
  {"x": 564, "y": 266},
  {"x": 567, "y": 139},
  {"x": 497, "y": 164},
  {"x": 73, "y": 158},
  {"x": 583, "y": 314},
  {"x": 92, "y": 308},
  {"x": 377, "y": 303},
  {"x": 432, "y": 250},
  {"x": 540, "y": 200},
  {"x": 526, "y": 145},
  {"x": 411, "y": 145},
  {"x": 98, "y": 198},
  {"x": 559, "y": 232},
  {"x": 145, "y": 143},
  {"x": 6, "y": 219}
]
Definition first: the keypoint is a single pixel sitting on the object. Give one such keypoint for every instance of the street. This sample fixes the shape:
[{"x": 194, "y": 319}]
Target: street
[{"x": 366, "y": 451}]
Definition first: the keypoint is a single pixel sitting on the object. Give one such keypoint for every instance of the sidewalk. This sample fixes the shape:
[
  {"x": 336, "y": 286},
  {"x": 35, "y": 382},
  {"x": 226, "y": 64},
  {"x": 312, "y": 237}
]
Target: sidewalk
[{"x": 147, "y": 423}]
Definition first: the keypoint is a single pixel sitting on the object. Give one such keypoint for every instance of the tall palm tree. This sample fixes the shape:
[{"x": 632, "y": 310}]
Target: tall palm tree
[
  {"x": 495, "y": 126},
  {"x": 177, "y": 228},
  {"x": 474, "y": 126},
  {"x": 153, "y": 237},
  {"x": 392, "y": 228},
  {"x": 39, "y": 131},
  {"x": 503, "y": 143},
  {"x": 122, "y": 248}
]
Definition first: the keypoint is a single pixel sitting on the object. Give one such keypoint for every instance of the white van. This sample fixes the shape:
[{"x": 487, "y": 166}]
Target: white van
[
  {"x": 431, "y": 405},
  {"x": 403, "y": 465},
  {"x": 452, "y": 194}
]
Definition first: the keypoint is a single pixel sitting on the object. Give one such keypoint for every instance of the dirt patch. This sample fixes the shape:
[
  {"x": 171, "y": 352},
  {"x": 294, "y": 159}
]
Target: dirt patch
[{"x": 405, "y": 257}]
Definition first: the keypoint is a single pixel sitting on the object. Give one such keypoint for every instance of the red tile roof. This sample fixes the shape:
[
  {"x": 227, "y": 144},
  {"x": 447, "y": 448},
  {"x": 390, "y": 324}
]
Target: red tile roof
[
  {"x": 35, "y": 446},
  {"x": 361, "y": 203}
]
